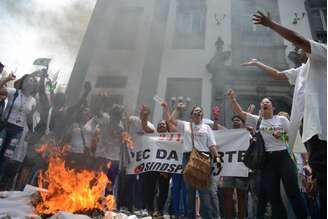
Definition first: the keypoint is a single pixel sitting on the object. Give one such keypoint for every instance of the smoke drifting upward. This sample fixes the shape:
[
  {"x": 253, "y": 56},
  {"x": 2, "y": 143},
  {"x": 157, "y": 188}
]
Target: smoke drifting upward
[{"x": 38, "y": 28}]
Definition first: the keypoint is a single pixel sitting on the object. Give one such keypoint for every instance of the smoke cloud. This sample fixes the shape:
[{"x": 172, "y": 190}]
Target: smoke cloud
[{"x": 36, "y": 28}]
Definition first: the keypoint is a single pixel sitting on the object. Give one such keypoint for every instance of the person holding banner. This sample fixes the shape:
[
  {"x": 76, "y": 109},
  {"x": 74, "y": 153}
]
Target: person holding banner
[
  {"x": 204, "y": 141},
  {"x": 230, "y": 183},
  {"x": 139, "y": 126},
  {"x": 132, "y": 194},
  {"x": 178, "y": 189},
  {"x": 162, "y": 179},
  {"x": 278, "y": 164}
]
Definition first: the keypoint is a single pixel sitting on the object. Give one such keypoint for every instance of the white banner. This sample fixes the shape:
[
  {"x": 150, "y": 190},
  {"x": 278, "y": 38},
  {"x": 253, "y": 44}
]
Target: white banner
[
  {"x": 164, "y": 152},
  {"x": 232, "y": 145},
  {"x": 161, "y": 152}
]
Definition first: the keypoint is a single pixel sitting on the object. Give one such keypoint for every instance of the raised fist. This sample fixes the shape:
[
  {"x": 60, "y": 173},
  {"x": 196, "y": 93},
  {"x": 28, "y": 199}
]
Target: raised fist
[{"x": 231, "y": 94}]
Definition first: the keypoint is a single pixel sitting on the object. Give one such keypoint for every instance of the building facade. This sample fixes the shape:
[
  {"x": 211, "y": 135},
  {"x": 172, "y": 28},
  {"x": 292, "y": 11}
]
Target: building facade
[{"x": 190, "y": 49}]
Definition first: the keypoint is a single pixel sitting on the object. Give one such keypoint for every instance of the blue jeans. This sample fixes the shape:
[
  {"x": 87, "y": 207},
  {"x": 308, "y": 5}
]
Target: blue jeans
[
  {"x": 178, "y": 187},
  {"x": 209, "y": 204}
]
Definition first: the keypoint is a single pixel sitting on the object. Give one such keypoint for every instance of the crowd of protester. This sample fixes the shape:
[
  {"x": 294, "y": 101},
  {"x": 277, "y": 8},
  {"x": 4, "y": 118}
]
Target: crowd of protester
[{"x": 33, "y": 115}]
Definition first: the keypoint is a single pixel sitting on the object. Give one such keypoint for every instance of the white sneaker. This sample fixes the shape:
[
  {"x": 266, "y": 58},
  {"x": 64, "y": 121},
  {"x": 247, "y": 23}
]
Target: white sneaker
[
  {"x": 138, "y": 213},
  {"x": 144, "y": 213}
]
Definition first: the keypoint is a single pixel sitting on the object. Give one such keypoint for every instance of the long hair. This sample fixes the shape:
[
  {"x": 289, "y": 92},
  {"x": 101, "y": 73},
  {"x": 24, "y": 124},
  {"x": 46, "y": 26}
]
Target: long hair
[{"x": 18, "y": 84}]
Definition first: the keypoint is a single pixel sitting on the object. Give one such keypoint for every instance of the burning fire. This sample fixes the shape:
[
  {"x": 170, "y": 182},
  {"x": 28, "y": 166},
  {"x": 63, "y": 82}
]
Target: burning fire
[
  {"x": 127, "y": 139},
  {"x": 71, "y": 190}
]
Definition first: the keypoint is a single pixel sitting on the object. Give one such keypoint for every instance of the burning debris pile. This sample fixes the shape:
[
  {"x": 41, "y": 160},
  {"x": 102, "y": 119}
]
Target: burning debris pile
[
  {"x": 62, "y": 189},
  {"x": 71, "y": 190}
]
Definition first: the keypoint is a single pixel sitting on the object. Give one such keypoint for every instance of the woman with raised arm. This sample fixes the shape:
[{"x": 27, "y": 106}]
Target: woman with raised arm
[
  {"x": 309, "y": 100},
  {"x": 204, "y": 141},
  {"x": 278, "y": 164},
  {"x": 16, "y": 118}
]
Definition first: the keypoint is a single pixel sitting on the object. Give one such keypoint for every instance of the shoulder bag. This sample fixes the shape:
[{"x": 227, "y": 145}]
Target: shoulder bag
[{"x": 197, "y": 172}]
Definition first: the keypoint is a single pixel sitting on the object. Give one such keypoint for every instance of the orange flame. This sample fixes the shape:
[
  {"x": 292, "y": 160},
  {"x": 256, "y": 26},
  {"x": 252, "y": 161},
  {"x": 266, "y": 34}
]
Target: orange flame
[
  {"x": 127, "y": 139},
  {"x": 71, "y": 190}
]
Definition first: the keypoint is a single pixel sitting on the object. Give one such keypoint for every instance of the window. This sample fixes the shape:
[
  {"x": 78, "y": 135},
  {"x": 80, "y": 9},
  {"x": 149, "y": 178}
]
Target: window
[
  {"x": 105, "y": 102},
  {"x": 125, "y": 28},
  {"x": 317, "y": 12},
  {"x": 190, "y": 25},
  {"x": 185, "y": 87},
  {"x": 319, "y": 22},
  {"x": 111, "y": 81}
]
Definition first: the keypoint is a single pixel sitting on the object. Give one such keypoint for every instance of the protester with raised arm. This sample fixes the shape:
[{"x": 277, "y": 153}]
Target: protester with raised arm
[
  {"x": 17, "y": 116},
  {"x": 278, "y": 164},
  {"x": 230, "y": 183},
  {"x": 178, "y": 189},
  {"x": 204, "y": 141},
  {"x": 137, "y": 126}
]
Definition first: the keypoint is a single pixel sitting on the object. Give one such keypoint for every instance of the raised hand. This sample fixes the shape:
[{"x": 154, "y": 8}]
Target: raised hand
[
  {"x": 251, "y": 62},
  {"x": 260, "y": 18},
  {"x": 231, "y": 94},
  {"x": 165, "y": 105},
  {"x": 251, "y": 108}
]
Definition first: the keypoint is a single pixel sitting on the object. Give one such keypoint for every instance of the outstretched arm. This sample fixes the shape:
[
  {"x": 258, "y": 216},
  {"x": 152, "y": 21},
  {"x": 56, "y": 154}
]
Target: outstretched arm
[
  {"x": 168, "y": 117},
  {"x": 270, "y": 71},
  {"x": 236, "y": 108},
  {"x": 286, "y": 33}
]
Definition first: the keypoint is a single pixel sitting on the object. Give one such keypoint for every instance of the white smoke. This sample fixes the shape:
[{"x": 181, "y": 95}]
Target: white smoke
[{"x": 42, "y": 28}]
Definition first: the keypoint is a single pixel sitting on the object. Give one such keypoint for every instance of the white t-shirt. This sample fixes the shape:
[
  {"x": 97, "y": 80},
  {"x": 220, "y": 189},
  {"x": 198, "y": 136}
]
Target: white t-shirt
[
  {"x": 296, "y": 76},
  {"x": 88, "y": 130},
  {"x": 135, "y": 126},
  {"x": 22, "y": 106},
  {"x": 310, "y": 95},
  {"x": 267, "y": 127},
  {"x": 203, "y": 136}
]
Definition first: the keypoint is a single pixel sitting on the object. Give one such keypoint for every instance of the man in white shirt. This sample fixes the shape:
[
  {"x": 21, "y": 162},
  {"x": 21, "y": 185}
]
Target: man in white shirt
[
  {"x": 309, "y": 100},
  {"x": 133, "y": 189}
]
